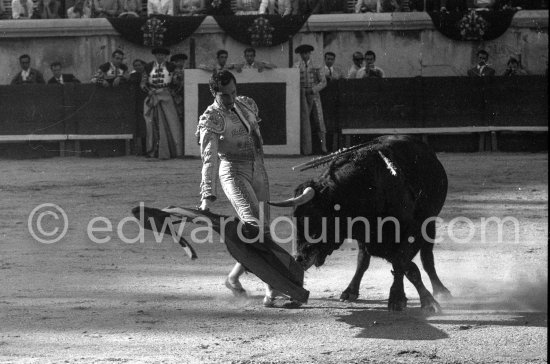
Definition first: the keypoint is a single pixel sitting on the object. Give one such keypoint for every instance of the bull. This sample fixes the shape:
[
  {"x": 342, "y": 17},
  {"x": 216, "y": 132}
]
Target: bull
[{"x": 385, "y": 196}]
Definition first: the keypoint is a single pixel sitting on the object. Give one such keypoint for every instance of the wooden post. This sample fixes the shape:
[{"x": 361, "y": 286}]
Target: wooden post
[
  {"x": 77, "y": 150},
  {"x": 494, "y": 142},
  {"x": 62, "y": 148},
  {"x": 481, "y": 142}
]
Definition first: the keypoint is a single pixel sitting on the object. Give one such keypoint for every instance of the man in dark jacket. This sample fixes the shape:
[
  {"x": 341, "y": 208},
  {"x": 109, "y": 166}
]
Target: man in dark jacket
[
  {"x": 27, "y": 74},
  {"x": 60, "y": 78},
  {"x": 482, "y": 69}
]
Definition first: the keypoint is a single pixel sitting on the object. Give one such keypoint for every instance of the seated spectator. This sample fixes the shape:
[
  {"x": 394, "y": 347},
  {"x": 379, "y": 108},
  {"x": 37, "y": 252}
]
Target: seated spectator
[
  {"x": 81, "y": 9},
  {"x": 61, "y": 78},
  {"x": 481, "y": 69},
  {"x": 390, "y": 6},
  {"x": 331, "y": 71},
  {"x": 161, "y": 7},
  {"x": 105, "y": 8},
  {"x": 251, "y": 63},
  {"x": 191, "y": 7},
  {"x": 47, "y": 9},
  {"x": 221, "y": 63},
  {"x": 137, "y": 73},
  {"x": 357, "y": 59},
  {"x": 249, "y": 7},
  {"x": 21, "y": 9},
  {"x": 218, "y": 7},
  {"x": 112, "y": 73},
  {"x": 513, "y": 68},
  {"x": 367, "y": 6},
  {"x": 130, "y": 8},
  {"x": 2, "y": 9},
  {"x": 276, "y": 7},
  {"x": 27, "y": 74},
  {"x": 370, "y": 70}
]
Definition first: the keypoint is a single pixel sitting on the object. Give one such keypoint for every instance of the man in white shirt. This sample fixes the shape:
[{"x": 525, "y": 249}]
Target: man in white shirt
[
  {"x": 357, "y": 59},
  {"x": 251, "y": 63},
  {"x": 276, "y": 7},
  {"x": 370, "y": 70},
  {"x": 21, "y": 9},
  {"x": 162, "y": 7}
]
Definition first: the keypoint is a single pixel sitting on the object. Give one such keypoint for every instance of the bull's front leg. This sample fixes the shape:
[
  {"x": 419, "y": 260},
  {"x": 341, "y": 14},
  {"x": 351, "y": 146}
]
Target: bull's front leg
[
  {"x": 363, "y": 260},
  {"x": 397, "y": 300}
]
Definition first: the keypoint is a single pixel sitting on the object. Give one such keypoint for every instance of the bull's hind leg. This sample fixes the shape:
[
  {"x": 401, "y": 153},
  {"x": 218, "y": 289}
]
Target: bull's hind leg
[
  {"x": 427, "y": 301},
  {"x": 363, "y": 260},
  {"x": 427, "y": 257}
]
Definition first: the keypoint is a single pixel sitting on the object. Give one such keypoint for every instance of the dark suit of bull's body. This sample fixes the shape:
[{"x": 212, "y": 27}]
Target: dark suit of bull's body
[{"x": 395, "y": 176}]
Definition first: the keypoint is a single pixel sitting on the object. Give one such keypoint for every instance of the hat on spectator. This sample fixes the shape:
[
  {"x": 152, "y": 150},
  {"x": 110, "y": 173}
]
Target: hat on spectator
[
  {"x": 304, "y": 48},
  {"x": 160, "y": 50}
]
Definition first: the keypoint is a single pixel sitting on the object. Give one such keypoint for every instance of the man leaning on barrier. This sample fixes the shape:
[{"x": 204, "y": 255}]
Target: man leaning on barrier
[{"x": 112, "y": 73}]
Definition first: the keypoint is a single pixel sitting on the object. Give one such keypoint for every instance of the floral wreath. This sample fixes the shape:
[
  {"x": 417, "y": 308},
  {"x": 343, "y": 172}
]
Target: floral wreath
[{"x": 472, "y": 26}]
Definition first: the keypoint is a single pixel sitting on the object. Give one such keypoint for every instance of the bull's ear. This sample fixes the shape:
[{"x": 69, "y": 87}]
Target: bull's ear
[{"x": 304, "y": 198}]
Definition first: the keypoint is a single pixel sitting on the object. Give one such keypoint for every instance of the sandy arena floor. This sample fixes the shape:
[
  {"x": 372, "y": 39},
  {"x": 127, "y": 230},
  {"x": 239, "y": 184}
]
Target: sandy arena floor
[{"x": 77, "y": 301}]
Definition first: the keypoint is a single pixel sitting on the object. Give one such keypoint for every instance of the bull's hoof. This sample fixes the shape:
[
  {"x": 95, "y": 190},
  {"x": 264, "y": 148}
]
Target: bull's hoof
[
  {"x": 430, "y": 305},
  {"x": 397, "y": 305},
  {"x": 349, "y": 296},
  {"x": 443, "y": 294}
]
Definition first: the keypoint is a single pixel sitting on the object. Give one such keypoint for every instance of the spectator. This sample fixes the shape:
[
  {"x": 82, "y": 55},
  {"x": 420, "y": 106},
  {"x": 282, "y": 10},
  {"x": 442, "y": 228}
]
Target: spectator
[
  {"x": 21, "y": 9},
  {"x": 130, "y": 8},
  {"x": 191, "y": 7},
  {"x": 312, "y": 80},
  {"x": 112, "y": 73},
  {"x": 176, "y": 90},
  {"x": 27, "y": 74},
  {"x": 139, "y": 68},
  {"x": 513, "y": 68},
  {"x": 2, "y": 9},
  {"x": 249, "y": 7},
  {"x": 164, "y": 130},
  {"x": 331, "y": 71},
  {"x": 357, "y": 59},
  {"x": 105, "y": 8},
  {"x": 162, "y": 7},
  {"x": 370, "y": 70},
  {"x": 482, "y": 68},
  {"x": 218, "y": 7},
  {"x": 179, "y": 60},
  {"x": 61, "y": 78},
  {"x": 47, "y": 9},
  {"x": 221, "y": 63},
  {"x": 81, "y": 9},
  {"x": 276, "y": 7},
  {"x": 367, "y": 6},
  {"x": 251, "y": 63},
  {"x": 135, "y": 79}
]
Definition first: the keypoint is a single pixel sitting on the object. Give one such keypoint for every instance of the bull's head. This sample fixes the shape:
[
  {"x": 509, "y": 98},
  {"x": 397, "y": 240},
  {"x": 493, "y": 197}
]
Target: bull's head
[{"x": 311, "y": 212}]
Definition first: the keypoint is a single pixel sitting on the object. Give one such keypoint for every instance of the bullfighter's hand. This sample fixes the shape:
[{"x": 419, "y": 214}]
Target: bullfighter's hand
[{"x": 205, "y": 204}]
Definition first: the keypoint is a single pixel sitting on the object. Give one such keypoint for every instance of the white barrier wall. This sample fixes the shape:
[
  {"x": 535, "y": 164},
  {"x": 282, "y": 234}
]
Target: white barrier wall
[{"x": 406, "y": 44}]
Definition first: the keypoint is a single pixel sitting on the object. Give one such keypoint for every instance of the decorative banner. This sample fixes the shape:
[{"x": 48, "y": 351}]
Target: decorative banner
[
  {"x": 158, "y": 30},
  {"x": 473, "y": 25},
  {"x": 261, "y": 30}
]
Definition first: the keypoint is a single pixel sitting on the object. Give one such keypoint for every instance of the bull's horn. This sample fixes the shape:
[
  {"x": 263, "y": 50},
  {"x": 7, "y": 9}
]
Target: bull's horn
[{"x": 305, "y": 197}]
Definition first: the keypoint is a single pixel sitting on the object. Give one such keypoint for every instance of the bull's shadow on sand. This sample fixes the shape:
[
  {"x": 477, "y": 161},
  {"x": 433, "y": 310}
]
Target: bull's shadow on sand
[{"x": 413, "y": 324}]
